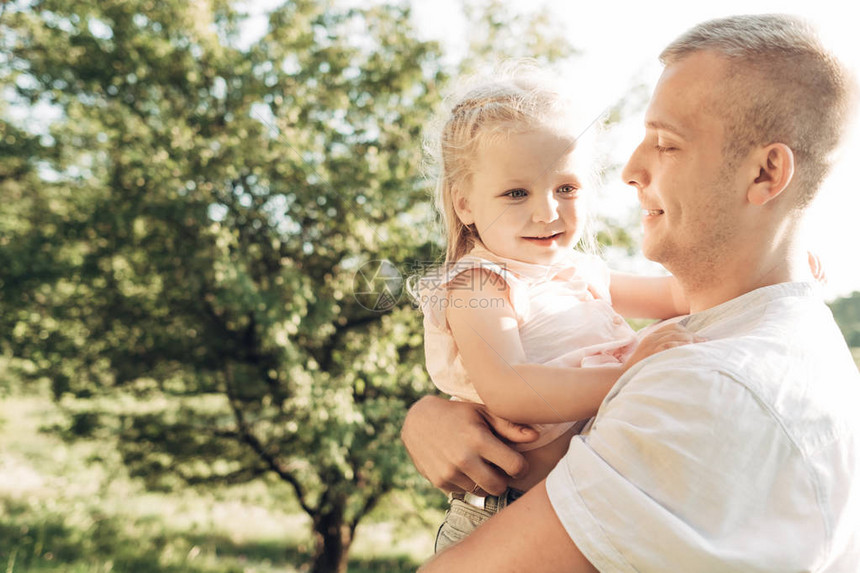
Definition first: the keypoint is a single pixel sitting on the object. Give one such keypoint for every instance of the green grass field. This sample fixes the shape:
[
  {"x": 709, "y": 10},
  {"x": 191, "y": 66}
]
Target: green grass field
[{"x": 71, "y": 508}]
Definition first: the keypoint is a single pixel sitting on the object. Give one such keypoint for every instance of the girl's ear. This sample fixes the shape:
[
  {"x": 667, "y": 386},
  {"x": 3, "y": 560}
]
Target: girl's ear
[
  {"x": 461, "y": 207},
  {"x": 776, "y": 170}
]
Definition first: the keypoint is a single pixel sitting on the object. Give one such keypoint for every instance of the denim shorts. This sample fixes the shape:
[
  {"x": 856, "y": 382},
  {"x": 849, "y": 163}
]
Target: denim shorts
[{"x": 463, "y": 516}]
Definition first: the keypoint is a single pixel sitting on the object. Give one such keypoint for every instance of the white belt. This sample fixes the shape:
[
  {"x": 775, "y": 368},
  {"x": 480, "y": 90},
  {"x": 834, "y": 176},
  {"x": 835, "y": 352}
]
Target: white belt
[{"x": 476, "y": 500}]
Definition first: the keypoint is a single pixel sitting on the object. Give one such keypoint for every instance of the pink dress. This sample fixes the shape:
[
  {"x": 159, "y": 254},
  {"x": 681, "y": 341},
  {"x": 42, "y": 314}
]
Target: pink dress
[{"x": 564, "y": 314}]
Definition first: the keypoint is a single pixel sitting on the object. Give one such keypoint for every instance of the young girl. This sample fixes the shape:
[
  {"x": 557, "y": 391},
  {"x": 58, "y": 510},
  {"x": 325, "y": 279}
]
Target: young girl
[{"x": 516, "y": 318}]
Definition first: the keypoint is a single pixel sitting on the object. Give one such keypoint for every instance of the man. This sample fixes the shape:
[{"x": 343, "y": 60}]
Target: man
[{"x": 736, "y": 454}]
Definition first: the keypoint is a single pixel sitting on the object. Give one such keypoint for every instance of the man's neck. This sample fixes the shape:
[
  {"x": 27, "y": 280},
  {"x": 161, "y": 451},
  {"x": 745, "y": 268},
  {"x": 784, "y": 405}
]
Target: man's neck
[{"x": 709, "y": 287}]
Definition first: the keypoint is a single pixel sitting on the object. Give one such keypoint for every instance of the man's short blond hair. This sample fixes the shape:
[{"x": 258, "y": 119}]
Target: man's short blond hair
[{"x": 782, "y": 86}]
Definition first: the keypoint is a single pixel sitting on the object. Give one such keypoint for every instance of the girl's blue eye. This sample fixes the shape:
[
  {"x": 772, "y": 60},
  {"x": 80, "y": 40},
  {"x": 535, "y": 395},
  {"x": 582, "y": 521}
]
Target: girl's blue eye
[
  {"x": 568, "y": 189},
  {"x": 517, "y": 193}
]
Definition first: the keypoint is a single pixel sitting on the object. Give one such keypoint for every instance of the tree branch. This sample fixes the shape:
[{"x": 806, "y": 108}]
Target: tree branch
[
  {"x": 251, "y": 440},
  {"x": 369, "y": 504},
  {"x": 239, "y": 476}
]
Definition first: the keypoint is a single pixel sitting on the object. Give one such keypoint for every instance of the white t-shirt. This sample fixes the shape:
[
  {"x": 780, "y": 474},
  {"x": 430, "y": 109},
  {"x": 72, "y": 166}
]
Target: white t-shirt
[{"x": 741, "y": 453}]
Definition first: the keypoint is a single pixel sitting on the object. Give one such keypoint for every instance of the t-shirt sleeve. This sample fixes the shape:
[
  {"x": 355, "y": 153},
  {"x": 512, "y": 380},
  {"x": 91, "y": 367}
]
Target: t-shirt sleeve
[{"x": 684, "y": 469}]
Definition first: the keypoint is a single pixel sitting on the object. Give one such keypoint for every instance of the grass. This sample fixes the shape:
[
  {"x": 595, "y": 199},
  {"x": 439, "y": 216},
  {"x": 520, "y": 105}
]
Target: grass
[{"x": 71, "y": 508}]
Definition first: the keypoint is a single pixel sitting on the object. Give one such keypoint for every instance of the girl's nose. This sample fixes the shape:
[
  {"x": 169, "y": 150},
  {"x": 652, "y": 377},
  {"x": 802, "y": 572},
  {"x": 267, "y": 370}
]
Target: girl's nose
[{"x": 546, "y": 210}]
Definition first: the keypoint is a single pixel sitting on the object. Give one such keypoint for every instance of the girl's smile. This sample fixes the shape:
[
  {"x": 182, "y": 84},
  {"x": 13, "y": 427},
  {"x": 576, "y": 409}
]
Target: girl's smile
[{"x": 545, "y": 240}]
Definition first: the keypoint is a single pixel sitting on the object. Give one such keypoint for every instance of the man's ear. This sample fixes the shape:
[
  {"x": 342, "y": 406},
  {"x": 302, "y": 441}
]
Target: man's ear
[
  {"x": 462, "y": 208},
  {"x": 776, "y": 170}
]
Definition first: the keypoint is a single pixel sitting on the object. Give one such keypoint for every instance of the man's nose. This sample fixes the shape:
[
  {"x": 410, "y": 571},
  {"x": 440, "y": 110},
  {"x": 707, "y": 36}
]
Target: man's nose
[{"x": 634, "y": 172}]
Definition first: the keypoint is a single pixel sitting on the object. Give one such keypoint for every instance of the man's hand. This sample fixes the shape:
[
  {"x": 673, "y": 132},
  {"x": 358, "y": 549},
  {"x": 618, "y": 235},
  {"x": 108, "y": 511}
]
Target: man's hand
[{"x": 452, "y": 445}]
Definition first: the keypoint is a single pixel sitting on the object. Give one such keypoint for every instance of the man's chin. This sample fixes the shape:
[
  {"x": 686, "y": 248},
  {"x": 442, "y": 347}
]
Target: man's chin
[
  {"x": 656, "y": 253},
  {"x": 649, "y": 252}
]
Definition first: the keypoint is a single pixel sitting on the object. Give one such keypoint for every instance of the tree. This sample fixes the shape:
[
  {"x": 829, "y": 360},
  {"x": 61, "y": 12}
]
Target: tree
[
  {"x": 203, "y": 243},
  {"x": 846, "y": 311},
  {"x": 186, "y": 233}
]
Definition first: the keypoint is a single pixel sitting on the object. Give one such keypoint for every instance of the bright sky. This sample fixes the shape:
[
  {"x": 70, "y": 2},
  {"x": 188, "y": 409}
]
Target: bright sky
[{"x": 620, "y": 42}]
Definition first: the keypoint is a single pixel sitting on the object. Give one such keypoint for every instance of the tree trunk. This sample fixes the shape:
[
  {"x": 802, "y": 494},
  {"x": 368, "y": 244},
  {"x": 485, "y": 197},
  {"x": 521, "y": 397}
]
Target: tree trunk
[{"x": 332, "y": 537}]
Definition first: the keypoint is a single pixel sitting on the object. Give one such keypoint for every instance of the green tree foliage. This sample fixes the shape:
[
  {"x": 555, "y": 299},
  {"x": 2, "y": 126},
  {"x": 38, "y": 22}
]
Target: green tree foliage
[
  {"x": 186, "y": 216},
  {"x": 498, "y": 32},
  {"x": 846, "y": 311},
  {"x": 179, "y": 249}
]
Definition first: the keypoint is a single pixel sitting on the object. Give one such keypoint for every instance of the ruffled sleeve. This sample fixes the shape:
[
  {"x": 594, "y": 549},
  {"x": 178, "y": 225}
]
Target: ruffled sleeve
[
  {"x": 442, "y": 356},
  {"x": 433, "y": 288}
]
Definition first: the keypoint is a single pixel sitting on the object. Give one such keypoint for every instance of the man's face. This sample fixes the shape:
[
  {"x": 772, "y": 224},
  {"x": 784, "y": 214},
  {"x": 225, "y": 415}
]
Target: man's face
[{"x": 690, "y": 198}]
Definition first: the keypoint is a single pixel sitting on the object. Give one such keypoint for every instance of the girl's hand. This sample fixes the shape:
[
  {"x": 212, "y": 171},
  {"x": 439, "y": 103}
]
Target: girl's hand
[
  {"x": 817, "y": 268},
  {"x": 664, "y": 338}
]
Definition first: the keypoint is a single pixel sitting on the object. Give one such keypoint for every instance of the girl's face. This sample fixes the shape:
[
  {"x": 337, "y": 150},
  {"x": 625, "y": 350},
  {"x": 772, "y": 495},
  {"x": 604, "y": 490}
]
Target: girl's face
[{"x": 525, "y": 197}]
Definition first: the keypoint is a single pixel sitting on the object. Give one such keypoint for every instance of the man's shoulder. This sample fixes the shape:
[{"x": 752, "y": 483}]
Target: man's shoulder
[
  {"x": 771, "y": 345},
  {"x": 811, "y": 393},
  {"x": 777, "y": 349}
]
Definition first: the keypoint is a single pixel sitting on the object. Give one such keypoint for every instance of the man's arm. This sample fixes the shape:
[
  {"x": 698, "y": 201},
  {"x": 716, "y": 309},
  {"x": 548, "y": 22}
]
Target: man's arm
[
  {"x": 526, "y": 536},
  {"x": 452, "y": 445}
]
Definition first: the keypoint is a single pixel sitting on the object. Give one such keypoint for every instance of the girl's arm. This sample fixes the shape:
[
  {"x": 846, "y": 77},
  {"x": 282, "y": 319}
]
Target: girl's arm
[
  {"x": 635, "y": 296},
  {"x": 485, "y": 329}
]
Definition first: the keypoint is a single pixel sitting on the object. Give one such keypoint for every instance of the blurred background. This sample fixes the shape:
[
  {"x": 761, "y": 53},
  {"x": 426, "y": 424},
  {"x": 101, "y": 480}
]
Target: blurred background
[{"x": 209, "y": 210}]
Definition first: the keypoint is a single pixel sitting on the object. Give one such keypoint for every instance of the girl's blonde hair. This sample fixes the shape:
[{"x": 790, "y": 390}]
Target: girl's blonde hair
[{"x": 516, "y": 97}]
